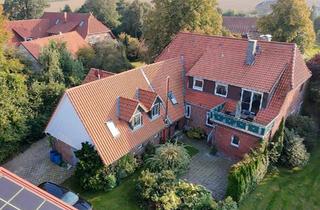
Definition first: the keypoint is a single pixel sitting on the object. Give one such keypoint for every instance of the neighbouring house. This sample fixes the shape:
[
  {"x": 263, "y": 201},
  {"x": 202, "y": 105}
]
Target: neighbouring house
[
  {"x": 96, "y": 74},
  {"x": 237, "y": 90},
  {"x": 245, "y": 27},
  {"x": 120, "y": 113},
  {"x": 32, "y": 49},
  {"x": 55, "y": 23},
  {"x": 17, "y": 193}
]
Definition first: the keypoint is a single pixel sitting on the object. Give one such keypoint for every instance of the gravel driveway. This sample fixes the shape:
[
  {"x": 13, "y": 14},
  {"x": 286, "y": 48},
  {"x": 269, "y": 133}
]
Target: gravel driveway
[{"x": 35, "y": 166}]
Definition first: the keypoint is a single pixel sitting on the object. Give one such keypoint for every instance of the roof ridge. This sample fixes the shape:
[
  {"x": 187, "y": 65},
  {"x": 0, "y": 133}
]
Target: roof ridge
[
  {"x": 119, "y": 74},
  {"x": 51, "y": 37},
  {"x": 293, "y": 64}
]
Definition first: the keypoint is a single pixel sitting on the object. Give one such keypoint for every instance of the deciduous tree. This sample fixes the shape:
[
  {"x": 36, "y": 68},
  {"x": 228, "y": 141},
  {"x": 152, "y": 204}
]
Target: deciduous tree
[
  {"x": 171, "y": 16},
  {"x": 24, "y": 9},
  {"x": 289, "y": 22}
]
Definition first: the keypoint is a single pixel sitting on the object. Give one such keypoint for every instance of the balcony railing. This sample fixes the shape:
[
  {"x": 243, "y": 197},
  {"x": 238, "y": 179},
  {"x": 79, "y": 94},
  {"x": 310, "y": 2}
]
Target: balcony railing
[{"x": 252, "y": 128}]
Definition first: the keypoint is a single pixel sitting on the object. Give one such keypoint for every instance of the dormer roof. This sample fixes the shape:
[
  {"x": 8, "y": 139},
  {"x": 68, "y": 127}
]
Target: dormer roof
[
  {"x": 126, "y": 108},
  {"x": 147, "y": 98}
]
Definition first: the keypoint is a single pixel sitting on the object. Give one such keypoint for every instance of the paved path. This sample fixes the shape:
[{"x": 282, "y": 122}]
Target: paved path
[
  {"x": 208, "y": 170},
  {"x": 35, "y": 166}
]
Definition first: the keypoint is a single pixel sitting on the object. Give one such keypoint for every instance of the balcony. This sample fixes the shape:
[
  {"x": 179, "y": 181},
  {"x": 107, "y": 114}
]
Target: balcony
[{"x": 250, "y": 127}]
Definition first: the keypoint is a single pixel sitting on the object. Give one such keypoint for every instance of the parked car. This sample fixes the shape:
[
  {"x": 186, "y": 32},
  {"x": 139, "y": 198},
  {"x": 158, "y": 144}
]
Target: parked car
[{"x": 66, "y": 195}]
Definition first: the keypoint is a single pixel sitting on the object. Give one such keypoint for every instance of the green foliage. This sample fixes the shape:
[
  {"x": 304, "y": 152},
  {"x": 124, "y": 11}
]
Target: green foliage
[
  {"x": 227, "y": 204},
  {"x": 305, "y": 127},
  {"x": 132, "y": 46},
  {"x": 169, "y": 157},
  {"x": 24, "y": 9},
  {"x": 103, "y": 180},
  {"x": 294, "y": 153},
  {"x": 233, "y": 12},
  {"x": 106, "y": 55},
  {"x": 275, "y": 146},
  {"x": 246, "y": 174},
  {"x": 289, "y": 22},
  {"x": 103, "y": 10},
  {"x": 163, "y": 191},
  {"x": 196, "y": 133},
  {"x": 126, "y": 166},
  {"x": 66, "y": 8},
  {"x": 132, "y": 17},
  {"x": 172, "y": 16}
]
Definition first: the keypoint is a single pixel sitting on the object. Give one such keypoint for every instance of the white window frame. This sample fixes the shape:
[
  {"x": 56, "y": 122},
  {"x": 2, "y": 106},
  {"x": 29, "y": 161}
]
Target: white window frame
[
  {"x": 207, "y": 119},
  {"x": 194, "y": 84},
  {"x": 186, "y": 107},
  {"x": 233, "y": 144},
  {"x": 221, "y": 84},
  {"x": 252, "y": 91},
  {"x": 135, "y": 127},
  {"x": 154, "y": 116}
]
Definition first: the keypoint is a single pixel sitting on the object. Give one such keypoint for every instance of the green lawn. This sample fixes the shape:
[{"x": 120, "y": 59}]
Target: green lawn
[
  {"x": 290, "y": 189},
  {"x": 191, "y": 150},
  {"x": 123, "y": 197}
]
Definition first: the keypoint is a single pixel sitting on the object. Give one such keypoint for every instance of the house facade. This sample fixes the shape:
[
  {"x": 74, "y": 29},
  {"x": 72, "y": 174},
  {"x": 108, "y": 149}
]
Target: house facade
[{"x": 237, "y": 90}]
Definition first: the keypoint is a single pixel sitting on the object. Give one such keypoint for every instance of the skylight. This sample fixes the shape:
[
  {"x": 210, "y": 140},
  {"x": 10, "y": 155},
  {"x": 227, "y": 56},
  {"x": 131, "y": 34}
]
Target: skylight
[
  {"x": 113, "y": 129},
  {"x": 172, "y": 98},
  {"x": 81, "y": 23}
]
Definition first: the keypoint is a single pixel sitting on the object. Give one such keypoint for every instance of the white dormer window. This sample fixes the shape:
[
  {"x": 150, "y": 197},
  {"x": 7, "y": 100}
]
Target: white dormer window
[
  {"x": 136, "y": 121},
  {"x": 198, "y": 84},
  {"x": 81, "y": 23},
  {"x": 221, "y": 90},
  {"x": 155, "y": 111},
  {"x": 57, "y": 21},
  {"x": 113, "y": 129}
]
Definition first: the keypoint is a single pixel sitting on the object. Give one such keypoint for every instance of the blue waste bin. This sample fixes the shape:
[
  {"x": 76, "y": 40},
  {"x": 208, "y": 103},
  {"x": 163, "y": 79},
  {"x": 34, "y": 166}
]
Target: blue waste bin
[{"x": 55, "y": 157}]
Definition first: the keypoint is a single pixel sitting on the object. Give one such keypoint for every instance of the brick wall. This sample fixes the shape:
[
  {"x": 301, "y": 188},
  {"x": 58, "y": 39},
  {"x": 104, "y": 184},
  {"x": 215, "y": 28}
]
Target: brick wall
[
  {"x": 198, "y": 118},
  {"x": 222, "y": 140},
  {"x": 66, "y": 151}
]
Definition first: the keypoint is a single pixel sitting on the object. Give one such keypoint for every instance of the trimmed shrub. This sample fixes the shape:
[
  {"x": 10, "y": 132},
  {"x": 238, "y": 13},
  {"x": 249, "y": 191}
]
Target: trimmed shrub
[
  {"x": 305, "y": 127},
  {"x": 227, "y": 204},
  {"x": 104, "y": 179},
  {"x": 246, "y": 174},
  {"x": 275, "y": 146},
  {"x": 126, "y": 166},
  {"x": 294, "y": 152},
  {"x": 169, "y": 157},
  {"x": 196, "y": 133}
]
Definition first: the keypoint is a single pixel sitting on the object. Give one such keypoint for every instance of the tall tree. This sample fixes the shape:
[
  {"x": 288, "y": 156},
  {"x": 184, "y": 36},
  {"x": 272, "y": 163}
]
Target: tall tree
[
  {"x": 66, "y": 8},
  {"x": 289, "y": 22},
  {"x": 24, "y": 9},
  {"x": 171, "y": 16},
  {"x": 103, "y": 10},
  {"x": 13, "y": 97},
  {"x": 132, "y": 17}
]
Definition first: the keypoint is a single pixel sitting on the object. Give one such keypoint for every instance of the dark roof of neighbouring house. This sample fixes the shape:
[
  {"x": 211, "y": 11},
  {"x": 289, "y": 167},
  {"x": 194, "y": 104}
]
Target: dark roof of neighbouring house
[
  {"x": 73, "y": 41},
  {"x": 240, "y": 25},
  {"x": 17, "y": 193}
]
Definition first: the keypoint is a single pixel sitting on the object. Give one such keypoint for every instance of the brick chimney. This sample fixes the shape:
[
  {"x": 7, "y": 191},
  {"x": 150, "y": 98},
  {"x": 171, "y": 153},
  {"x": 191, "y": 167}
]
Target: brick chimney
[
  {"x": 65, "y": 16},
  {"x": 251, "y": 52}
]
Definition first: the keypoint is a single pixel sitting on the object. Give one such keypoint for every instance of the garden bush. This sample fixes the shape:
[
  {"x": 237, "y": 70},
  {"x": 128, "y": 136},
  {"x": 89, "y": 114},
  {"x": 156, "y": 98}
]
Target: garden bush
[
  {"x": 305, "y": 127},
  {"x": 169, "y": 157},
  {"x": 196, "y": 133},
  {"x": 246, "y": 174},
  {"x": 126, "y": 166},
  {"x": 103, "y": 180},
  {"x": 227, "y": 204},
  {"x": 294, "y": 153}
]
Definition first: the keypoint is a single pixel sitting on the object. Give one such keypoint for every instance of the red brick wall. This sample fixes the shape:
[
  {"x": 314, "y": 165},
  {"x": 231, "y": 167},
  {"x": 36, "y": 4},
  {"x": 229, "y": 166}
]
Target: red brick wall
[
  {"x": 65, "y": 150},
  {"x": 222, "y": 140},
  {"x": 198, "y": 118}
]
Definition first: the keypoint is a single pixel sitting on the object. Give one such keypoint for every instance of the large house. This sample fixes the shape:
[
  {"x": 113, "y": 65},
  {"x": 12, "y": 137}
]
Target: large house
[
  {"x": 245, "y": 27},
  {"x": 17, "y": 193},
  {"x": 55, "y": 23},
  {"x": 237, "y": 90}
]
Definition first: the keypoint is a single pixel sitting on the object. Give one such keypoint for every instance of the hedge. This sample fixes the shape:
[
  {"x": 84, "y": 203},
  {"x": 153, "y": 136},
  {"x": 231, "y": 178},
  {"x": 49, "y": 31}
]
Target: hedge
[{"x": 245, "y": 175}]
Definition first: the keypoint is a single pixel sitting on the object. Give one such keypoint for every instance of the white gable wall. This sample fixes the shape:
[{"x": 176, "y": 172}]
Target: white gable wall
[{"x": 66, "y": 125}]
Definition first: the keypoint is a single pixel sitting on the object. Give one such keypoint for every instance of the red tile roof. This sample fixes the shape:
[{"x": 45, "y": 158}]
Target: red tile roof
[
  {"x": 96, "y": 103},
  {"x": 84, "y": 23},
  {"x": 95, "y": 74},
  {"x": 34, "y": 29},
  {"x": 202, "y": 99},
  {"x": 222, "y": 59},
  {"x": 147, "y": 98},
  {"x": 240, "y": 25},
  {"x": 49, "y": 201},
  {"x": 127, "y": 108},
  {"x": 73, "y": 41}
]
